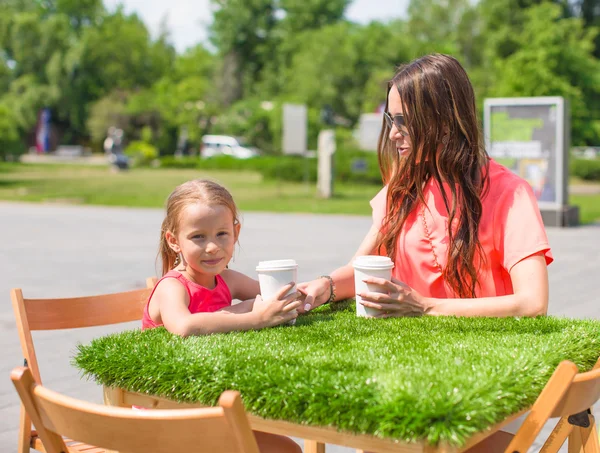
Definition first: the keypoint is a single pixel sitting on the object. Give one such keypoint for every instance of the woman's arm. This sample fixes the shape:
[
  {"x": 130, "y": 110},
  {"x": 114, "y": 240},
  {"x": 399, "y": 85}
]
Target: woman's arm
[
  {"x": 317, "y": 291},
  {"x": 530, "y": 285}
]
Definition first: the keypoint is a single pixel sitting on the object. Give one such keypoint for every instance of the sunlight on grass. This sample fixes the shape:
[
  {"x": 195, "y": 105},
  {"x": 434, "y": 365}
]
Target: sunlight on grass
[{"x": 150, "y": 188}]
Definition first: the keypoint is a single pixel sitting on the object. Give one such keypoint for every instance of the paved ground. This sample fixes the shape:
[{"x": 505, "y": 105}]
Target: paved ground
[{"x": 60, "y": 251}]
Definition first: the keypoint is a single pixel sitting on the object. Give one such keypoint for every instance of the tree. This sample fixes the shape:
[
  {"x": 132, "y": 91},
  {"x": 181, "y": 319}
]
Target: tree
[
  {"x": 332, "y": 66},
  {"x": 110, "y": 111},
  {"x": 589, "y": 11},
  {"x": 241, "y": 31},
  {"x": 9, "y": 132},
  {"x": 184, "y": 97},
  {"x": 303, "y": 15},
  {"x": 554, "y": 57}
]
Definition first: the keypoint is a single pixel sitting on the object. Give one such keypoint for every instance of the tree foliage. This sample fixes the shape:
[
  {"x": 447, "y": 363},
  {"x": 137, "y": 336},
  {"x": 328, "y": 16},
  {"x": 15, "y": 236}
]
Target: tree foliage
[{"x": 94, "y": 68}]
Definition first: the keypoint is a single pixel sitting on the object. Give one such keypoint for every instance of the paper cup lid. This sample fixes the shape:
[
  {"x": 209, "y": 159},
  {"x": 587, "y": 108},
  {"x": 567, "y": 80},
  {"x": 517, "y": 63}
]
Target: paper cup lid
[
  {"x": 373, "y": 262},
  {"x": 276, "y": 265}
]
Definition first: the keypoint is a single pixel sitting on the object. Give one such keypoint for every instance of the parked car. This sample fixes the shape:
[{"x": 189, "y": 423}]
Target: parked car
[{"x": 226, "y": 145}]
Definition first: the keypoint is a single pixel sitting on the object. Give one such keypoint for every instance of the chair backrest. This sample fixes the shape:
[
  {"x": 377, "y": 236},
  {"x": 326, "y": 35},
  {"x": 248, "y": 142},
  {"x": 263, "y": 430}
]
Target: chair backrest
[
  {"x": 222, "y": 428},
  {"x": 90, "y": 311},
  {"x": 49, "y": 314},
  {"x": 567, "y": 393}
]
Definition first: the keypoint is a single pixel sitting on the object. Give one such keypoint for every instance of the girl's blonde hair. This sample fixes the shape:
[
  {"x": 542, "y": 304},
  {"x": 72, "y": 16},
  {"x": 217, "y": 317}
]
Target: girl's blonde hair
[{"x": 195, "y": 191}]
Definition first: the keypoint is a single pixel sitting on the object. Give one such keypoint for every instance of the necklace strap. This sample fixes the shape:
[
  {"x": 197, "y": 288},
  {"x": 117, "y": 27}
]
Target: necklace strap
[{"x": 428, "y": 237}]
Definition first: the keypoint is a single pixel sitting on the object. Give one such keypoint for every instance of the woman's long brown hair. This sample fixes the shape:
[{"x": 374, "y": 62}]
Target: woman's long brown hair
[{"x": 438, "y": 100}]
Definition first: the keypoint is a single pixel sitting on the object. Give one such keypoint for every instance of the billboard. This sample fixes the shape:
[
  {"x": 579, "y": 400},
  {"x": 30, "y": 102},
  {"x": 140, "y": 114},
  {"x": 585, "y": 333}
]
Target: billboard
[{"x": 531, "y": 137}]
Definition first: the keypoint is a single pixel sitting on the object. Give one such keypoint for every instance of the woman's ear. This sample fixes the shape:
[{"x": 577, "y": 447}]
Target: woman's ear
[
  {"x": 172, "y": 241},
  {"x": 236, "y": 230}
]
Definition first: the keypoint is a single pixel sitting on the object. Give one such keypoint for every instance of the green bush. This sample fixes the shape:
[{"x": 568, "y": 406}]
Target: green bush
[
  {"x": 179, "y": 162},
  {"x": 588, "y": 169},
  {"x": 349, "y": 166},
  {"x": 142, "y": 153},
  {"x": 357, "y": 166},
  {"x": 289, "y": 168}
]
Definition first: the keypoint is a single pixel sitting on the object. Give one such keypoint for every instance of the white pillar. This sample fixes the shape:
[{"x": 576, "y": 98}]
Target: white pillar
[{"x": 325, "y": 151}]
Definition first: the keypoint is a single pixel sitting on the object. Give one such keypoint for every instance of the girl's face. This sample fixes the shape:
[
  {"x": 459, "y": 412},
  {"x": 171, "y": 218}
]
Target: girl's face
[
  {"x": 398, "y": 131},
  {"x": 206, "y": 240}
]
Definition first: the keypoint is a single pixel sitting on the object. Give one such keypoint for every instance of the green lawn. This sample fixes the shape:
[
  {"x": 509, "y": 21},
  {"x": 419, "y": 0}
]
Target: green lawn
[{"x": 150, "y": 188}]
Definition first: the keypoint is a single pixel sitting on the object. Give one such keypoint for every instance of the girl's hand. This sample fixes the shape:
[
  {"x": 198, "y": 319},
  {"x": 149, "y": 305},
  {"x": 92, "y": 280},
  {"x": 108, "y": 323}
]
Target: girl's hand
[
  {"x": 277, "y": 310},
  {"x": 398, "y": 299},
  {"x": 314, "y": 293}
]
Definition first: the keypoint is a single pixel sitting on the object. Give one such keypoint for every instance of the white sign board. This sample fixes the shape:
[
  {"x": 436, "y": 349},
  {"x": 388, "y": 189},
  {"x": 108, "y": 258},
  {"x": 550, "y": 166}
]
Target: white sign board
[
  {"x": 369, "y": 128},
  {"x": 295, "y": 119}
]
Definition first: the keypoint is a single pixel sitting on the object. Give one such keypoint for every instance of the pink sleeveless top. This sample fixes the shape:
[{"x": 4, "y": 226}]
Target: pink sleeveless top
[{"x": 202, "y": 300}]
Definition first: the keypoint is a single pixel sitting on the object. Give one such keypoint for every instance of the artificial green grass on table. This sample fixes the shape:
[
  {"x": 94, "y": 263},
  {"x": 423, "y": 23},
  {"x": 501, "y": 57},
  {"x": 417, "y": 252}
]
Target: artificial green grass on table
[{"x": 438, "y": 379}]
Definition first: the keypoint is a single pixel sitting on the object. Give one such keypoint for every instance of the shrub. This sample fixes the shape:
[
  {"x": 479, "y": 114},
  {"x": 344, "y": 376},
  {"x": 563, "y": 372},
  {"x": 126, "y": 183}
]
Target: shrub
[
  {"x": 357, "y": 166},
  {"x": 142, "y": 153},
  {"x": 349, "y": 166},
  {"x": 588, "y": 169},
  {"x": 179, "y": 162}
]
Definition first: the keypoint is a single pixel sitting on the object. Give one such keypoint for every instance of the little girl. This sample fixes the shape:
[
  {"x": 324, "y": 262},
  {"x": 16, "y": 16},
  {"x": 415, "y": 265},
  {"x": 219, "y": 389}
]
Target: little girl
[{"x": 194, "y": 295}]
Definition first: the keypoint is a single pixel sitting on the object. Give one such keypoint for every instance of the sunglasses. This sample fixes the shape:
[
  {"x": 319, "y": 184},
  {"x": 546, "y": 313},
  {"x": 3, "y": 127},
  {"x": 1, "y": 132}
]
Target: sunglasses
[{"x": 398, "y": 121}]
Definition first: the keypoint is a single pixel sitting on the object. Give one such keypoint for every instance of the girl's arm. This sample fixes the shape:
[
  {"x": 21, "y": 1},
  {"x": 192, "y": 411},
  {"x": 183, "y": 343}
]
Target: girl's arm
[
  {"x": 241, "y": 286},
  {"x": 173, "y": 301}
]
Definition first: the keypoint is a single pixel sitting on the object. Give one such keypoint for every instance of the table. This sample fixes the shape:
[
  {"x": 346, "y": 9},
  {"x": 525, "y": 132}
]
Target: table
[
  {"x": 431, "y": 382},
  {"x": 316, "y": 437}
]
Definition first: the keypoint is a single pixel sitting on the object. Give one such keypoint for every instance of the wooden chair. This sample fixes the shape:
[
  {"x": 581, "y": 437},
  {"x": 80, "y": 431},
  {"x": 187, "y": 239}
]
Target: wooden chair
[
  {"x": 52, "y": 314},
  {"x": 570, "y": 396},
  {"x": 224, "y": 428}
]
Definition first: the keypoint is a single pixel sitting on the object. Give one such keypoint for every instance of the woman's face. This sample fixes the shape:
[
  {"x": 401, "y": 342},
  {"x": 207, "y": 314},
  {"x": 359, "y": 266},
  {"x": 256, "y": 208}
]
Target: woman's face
[{"x": 398, "y": 132}]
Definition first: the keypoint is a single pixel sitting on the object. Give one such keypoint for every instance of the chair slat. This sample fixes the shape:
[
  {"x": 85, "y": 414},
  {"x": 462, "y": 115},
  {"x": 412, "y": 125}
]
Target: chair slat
[{"x": 52, "y": 314}]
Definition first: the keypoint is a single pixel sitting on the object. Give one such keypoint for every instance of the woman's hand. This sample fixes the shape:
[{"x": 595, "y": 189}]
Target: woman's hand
[
  {"x": 315, "y": 293},
  {"x": 396, "y": 299},
  {"x": 277, "y": 310}
]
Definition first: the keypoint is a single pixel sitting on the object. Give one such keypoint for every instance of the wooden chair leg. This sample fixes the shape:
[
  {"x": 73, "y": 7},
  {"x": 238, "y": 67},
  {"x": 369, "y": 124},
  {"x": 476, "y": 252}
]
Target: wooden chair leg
[
  {"x": 113, "y": 396},
  {"x": 589, "y": 437},
  {"x": 557, "y": 437},
  {"x": 575, "y": 442},
  {"x": 312, "y": 446},
  {"x": 24, "y": 432}
]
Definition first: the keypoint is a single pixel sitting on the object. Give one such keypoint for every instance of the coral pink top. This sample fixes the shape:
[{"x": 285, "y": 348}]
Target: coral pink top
[
  {"x": 202, "y": 300},
  {"x": 511, "y": 230}
]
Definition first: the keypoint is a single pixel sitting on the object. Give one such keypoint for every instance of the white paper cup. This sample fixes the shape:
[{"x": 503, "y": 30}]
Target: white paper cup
[
  {"x": 274, "y": 275},
  {"x": 370, "y": 266}
]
